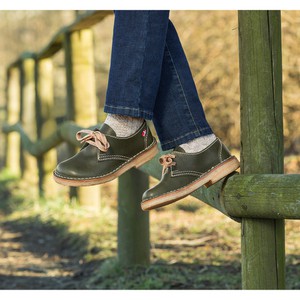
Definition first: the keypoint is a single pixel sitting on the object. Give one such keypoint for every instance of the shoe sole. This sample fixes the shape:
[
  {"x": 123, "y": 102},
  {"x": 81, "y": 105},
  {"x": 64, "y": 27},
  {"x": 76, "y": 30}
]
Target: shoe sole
[
  {"x": 211, "y": 177},
  {"x": 137, "y": 161}
]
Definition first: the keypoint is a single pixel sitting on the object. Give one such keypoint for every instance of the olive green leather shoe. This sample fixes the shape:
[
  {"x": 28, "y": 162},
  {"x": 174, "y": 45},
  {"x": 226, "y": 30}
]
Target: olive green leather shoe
[
  {"x": 184, "y": 172},
  {"x": 104, "y": 156}
]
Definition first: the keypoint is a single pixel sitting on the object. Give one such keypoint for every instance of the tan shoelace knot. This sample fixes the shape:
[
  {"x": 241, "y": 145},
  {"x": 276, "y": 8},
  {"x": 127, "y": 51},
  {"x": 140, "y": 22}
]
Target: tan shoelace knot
[
  {"x": 167, "y": 161},
  {"x": 95, "y": 138}
]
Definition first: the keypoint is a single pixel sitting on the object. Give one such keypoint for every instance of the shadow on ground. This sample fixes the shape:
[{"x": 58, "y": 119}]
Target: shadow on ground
[
  {"x": 50, "y": 238},
  {"x": 40, "y": 255}
]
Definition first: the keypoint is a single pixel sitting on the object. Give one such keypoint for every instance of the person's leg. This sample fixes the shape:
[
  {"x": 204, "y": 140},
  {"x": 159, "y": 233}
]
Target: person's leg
[
  {"x": 136, "y": 60},
  {"x": 178, "y": 113},
  {"x": 154, "y": 79},
  {"x": 199, "y": 157},
  {"x": 149, "y": 79},
  {"x": 124, "y": 140}
]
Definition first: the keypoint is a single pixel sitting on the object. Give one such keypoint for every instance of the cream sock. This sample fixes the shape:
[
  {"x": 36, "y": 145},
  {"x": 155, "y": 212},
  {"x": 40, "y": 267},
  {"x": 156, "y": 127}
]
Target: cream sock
[
  {"x": 198, "y": 144},
  {"x": 123, "y": 125}
]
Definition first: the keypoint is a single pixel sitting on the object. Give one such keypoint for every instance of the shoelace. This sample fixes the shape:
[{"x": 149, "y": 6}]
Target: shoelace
[
  {"x": 95, "y": 138},
  {"x": 167, "y": 161}
]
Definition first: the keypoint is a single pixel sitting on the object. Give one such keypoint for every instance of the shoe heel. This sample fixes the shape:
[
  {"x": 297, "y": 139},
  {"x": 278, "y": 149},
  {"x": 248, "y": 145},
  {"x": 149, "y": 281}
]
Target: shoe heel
[
  {"x": 222, "y": 171},
  {"x": 145, "y": 157}
]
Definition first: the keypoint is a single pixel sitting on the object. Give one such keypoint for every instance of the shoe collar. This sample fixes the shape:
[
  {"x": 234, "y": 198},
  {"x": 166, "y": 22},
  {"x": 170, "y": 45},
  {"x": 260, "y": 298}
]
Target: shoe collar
[{"x": 107, "y": 130}]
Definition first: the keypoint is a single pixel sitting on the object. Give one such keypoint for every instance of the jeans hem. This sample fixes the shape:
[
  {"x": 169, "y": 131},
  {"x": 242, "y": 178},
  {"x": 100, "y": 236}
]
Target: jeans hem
[
  {"x": 128, "y": 111},
  {"x": 171, "y": 144}
]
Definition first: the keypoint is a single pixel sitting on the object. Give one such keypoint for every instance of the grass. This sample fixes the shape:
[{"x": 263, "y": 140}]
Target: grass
[{"x": 192, "y": 245}]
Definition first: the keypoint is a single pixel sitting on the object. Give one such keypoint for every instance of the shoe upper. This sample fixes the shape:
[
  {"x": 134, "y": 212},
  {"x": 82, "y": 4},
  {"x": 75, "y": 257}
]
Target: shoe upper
[
  {"x": 188, "y": 167},
  {"x": 90, "y": 162}
]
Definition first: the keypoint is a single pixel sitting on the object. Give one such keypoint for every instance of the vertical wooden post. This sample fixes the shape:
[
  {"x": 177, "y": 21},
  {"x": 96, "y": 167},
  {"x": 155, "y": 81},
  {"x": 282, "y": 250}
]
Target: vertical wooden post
[
  {"x": 28, "y": 119},
  {"x": 263, "y": 251},
  {"x": 13, "y": 142},
  {"x": 45, "y": 124},
  {"x": 133, "y": 223},
  {"x": 81, "y": 94}
]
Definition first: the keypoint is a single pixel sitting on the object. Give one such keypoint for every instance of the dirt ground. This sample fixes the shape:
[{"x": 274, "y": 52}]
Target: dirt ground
[{"x": 32, "y": 259}]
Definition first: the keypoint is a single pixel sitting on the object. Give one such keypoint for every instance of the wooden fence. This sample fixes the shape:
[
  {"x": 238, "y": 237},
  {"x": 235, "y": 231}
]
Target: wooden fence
[{"x": 261, "y": 197}]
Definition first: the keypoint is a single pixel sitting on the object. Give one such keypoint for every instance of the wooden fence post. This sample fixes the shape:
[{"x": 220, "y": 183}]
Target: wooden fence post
[
  {"x": 28, "y": 119},
  {"x": 133, "y": 223},
  {"x": 13, "y": 141},
  {"x": 81, "y": 94},
  {"x": 263, "y": 251},
  {"x": 45, "y": 124}
]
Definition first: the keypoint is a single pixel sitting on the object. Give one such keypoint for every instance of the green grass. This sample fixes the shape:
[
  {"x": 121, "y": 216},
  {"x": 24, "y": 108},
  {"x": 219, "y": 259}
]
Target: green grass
[{"x": 192, "y": 245}]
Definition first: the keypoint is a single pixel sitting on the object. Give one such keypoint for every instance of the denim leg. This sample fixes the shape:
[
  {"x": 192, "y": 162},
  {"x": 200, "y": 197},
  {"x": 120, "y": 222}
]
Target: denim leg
[
  {"x": 136, "y": 61},
  {"x": 178, "y": 113}
]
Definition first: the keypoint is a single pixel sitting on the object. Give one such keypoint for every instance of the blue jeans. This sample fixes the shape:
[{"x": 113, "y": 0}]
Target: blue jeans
[{"x": 150, "y": 78}]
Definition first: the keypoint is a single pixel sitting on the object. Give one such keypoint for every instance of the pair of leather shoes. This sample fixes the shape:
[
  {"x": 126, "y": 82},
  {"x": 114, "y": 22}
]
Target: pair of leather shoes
[{"x": 104, "y": 157}]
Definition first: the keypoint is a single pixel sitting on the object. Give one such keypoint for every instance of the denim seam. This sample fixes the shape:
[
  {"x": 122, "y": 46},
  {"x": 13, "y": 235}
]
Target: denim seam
[
  {"x": 185, "y": 99},
  {"x": 129, "y": 108},
  {"x": 144, "y": 53}
]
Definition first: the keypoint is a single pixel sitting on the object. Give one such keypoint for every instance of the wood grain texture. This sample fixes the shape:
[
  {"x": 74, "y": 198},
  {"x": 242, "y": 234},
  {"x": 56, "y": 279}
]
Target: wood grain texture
[
  {"x": 261, "y": 141},
  {"x": 269, "y": 196}
]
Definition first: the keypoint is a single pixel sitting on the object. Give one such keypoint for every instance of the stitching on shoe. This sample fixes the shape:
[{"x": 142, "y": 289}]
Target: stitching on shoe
[
  {"x": 146, "y": 138},
  {"x": 191, "y": 181},
  {"x": 220, "y": 152},
  {"x": 108, "y": 157},
  {"x": 111, "y": 156},
  {"x": 95, "y": 177},
  {"x": 179, "y": 173}
]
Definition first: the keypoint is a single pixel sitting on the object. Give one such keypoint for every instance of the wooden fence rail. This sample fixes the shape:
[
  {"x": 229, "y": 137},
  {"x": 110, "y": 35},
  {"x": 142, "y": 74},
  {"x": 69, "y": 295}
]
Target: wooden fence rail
[
  {"x": 260, "y": 198},
  {"x": 236, "y": 196}
]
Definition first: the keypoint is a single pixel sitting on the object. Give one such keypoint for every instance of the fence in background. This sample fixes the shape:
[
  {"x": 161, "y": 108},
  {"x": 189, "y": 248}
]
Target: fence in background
[{"x": 260, "y": 198}]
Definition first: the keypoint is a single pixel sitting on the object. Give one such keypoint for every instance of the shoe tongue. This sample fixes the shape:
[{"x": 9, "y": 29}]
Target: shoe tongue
[
  {"x": 179, "y": 149},
  {"x": 106, "y": 129}
]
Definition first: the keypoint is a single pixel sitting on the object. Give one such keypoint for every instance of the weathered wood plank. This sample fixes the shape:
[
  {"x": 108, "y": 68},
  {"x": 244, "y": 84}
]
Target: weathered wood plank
[
  {"x": 65, "y": 132},
  {"x": 84, "y": 21},
  {"x": 13, "y": 142},
  {"x": 29, "y": 167},
  {"x": 81, "y": 95},
  {"x": 45, "y": 123},
  {"x": 133, "y": 223},
  {"x": 261, "y": 141},
  {"x": 263, "y": 196},
  {"x": 89, "y": 19},
  {"x": 251, "y": 196},
  {"x": 80, "y": 74},
  {"x": 54, "y": 45}
]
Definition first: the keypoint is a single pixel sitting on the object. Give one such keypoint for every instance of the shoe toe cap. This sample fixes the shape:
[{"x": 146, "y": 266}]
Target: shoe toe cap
[{"x": 65, "y": 169}]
